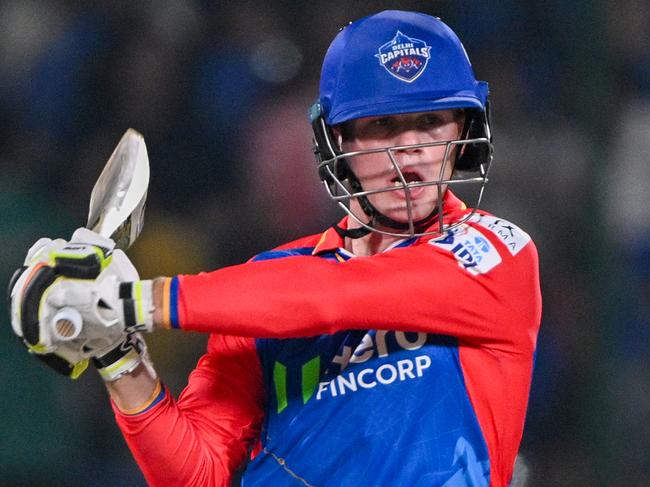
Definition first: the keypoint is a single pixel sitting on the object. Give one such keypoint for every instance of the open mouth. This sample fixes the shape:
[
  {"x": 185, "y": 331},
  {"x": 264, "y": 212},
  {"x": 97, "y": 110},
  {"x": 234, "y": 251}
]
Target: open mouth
[
  {"x": 409, "y": 177},
  {"x": 412, "y": 190}
]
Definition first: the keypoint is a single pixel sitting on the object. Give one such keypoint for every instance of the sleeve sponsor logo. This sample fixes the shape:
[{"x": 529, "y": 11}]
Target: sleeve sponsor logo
[
  {"x": 510, "y": 234},
  {"x": 471, "y": 249}
]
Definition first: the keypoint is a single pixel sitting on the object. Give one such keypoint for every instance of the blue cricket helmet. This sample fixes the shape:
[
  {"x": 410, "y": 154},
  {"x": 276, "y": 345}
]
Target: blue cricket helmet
[
  {"x": 397, "y": 62},
  {"x": 392, "y": 63}
]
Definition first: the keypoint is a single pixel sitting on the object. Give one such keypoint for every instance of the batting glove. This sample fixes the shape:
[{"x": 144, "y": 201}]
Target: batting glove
[{"x": 69, "y": 303}]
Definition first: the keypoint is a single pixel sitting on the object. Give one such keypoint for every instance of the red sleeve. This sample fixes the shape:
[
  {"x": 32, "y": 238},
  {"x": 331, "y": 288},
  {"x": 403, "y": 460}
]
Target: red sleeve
[
  {"x": 202, "y": 438},
  {"x": 419, "y": 288}
]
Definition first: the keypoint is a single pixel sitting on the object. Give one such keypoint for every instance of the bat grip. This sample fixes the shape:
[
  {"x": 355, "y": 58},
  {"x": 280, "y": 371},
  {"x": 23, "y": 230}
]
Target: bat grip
[{"x": 67, "y": 324}]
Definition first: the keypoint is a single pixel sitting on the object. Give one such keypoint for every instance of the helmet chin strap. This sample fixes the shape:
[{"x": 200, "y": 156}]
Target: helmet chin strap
[
  {"x": 376, "y": 217},
  {"x": 352, "y": 233}
]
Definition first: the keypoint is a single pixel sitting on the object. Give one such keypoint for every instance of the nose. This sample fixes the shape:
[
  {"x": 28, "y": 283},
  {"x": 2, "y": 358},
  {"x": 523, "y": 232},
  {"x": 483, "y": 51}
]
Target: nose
[
  {"x": 409, "y": 136},
  {"x": 408, "y": 155}
]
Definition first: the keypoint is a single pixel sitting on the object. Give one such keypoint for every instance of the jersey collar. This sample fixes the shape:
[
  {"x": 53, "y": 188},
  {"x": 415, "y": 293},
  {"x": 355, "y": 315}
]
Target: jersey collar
[{"x": 330, "y": 240}]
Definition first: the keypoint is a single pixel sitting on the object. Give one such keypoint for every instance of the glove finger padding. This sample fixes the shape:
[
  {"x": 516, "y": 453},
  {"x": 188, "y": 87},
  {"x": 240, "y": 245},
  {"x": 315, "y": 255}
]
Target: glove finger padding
[
  {"x": 39, "y": 255},
  {"x": 41, "y": 250},
  {"x": 74, "y": 267},
  {"x": 39, "y": 280},
  {"x": 55, "y": 362},
  {"x": 27, "y": 327}
]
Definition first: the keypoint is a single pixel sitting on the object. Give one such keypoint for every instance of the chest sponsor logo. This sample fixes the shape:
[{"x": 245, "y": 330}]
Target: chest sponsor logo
[
  {"x": 471, "y": 249},
  {"x": 404, "y": 57},
  {"x": 339, "y": 379},
  {"x": 510, "y": 234},
  {"x": 375, "y": 345}
]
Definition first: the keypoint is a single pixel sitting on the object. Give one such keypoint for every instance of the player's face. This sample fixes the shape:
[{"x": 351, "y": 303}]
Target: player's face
[{"x": 419, "y": 164}]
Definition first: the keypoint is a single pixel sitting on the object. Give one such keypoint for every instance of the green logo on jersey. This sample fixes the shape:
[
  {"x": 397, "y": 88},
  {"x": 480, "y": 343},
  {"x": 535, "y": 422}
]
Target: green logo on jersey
[{"x": 309, "y": 375}]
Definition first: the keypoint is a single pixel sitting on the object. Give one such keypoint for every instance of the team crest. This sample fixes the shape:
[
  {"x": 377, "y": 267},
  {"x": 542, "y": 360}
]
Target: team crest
[{"x": 404, "y": 57}]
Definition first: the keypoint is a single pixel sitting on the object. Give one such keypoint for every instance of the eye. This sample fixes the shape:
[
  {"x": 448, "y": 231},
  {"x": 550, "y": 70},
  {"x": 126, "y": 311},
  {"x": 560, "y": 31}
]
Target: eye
[
  {"x": 431, "y": 120},
  {"x": 376, "y": 127},
  {"x": 381, "y": 122}
]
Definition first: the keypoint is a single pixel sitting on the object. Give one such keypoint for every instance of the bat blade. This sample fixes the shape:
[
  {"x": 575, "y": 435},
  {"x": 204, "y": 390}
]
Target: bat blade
[{"x": 118, "y": 198}]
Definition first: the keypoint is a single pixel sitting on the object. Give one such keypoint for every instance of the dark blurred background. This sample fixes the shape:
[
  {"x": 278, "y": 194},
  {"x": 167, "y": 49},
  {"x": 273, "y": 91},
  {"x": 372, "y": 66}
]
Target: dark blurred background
[{"x": 220, "y": 91}]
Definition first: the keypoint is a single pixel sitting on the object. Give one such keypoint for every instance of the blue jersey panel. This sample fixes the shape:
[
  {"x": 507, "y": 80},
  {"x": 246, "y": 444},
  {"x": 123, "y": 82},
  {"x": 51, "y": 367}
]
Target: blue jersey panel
[{"x": 367, "y": 408}]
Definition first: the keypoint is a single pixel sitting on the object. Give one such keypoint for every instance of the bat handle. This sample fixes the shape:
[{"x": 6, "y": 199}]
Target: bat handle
[{"x": 67, "y": 324}]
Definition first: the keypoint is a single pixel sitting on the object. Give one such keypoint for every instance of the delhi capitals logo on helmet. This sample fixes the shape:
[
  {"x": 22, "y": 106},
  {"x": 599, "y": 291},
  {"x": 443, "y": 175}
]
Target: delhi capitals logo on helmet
[{"x": 404, "y": 57}]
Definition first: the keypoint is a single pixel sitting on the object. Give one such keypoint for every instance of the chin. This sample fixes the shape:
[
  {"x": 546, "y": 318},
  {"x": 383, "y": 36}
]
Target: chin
[{"x": 419, "y": 209}]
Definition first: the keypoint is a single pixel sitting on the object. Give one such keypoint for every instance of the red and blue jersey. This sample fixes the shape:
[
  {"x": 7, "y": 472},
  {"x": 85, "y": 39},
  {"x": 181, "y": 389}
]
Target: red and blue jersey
[{"x": 408, "y": 367}]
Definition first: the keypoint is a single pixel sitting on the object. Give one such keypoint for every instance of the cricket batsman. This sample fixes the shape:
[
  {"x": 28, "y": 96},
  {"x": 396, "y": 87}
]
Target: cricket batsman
[{"x": 393, "y": 349}]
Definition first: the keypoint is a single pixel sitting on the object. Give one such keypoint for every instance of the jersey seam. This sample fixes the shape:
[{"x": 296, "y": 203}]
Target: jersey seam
[{"x": 283, "y": 463}]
